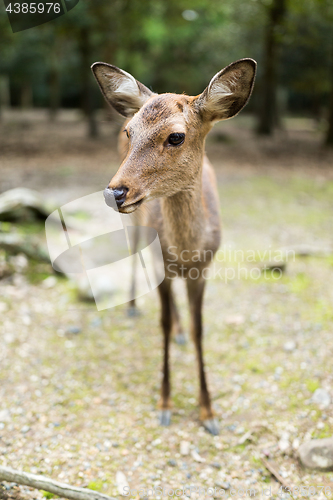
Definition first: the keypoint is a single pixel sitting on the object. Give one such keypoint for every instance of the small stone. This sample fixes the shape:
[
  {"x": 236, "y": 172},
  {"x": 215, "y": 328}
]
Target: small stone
[
  {"x": 246, "y": 437},
  {"x": 317, "y": 454},
  {"x": 289, "y": 346},
  {"x": 235, "y": 320},
  {"x": 284, "y": 445},
  {"x": 122, "y": 483},
  {"x": 4, "y": 415},
  {"x": 115, "y": 445},
  {"x": 50, "y": 282},
  {"x": 321, "y": 397},
  {"x": 156, "y": 442},
  {"x": 96, "y": 322},
  {"x": 172, "y": 462},
  {"x": 197, "y": 457},
  {"x": 296, "y": 444},
  {"x": 73, "y": 329},
  {"x": 216, "y": 465},
  {"x": 3, "y": 307},
  {"x": 184, "y": 448},
  {"x": 25, "y": 429}
]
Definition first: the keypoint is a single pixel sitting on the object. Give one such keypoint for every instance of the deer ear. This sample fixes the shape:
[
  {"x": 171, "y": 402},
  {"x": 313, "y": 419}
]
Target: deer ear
[
  {"x": 228, "y": 91},
  {"x": 120, "y": 89}
]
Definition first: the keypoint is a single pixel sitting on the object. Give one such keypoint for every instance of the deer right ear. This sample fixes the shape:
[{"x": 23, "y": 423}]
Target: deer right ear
[
  {"x": 120, "y": 89},
  {"x": 228, "y": 91}
]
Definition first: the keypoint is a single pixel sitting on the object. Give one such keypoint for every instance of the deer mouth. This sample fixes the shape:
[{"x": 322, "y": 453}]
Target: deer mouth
[{"x": 127, "y": 209}]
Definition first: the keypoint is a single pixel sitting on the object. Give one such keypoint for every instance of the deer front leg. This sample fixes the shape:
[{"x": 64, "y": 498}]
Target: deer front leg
[
  {"x": 177, "y": 332},
  {"x": 166, "y": 322},
  {"x": 195, "y": 289}
]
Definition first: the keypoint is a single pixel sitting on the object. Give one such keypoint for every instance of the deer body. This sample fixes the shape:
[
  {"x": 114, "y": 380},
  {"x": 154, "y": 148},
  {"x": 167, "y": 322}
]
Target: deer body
[{"x": 165, "y": 168}]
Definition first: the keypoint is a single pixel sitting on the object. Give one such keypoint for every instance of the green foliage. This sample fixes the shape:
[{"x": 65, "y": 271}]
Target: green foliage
[
  {"x": 48, "y": 495},
  {"x": 168, "y": 49},
  {"x": 95, "y": 485}
]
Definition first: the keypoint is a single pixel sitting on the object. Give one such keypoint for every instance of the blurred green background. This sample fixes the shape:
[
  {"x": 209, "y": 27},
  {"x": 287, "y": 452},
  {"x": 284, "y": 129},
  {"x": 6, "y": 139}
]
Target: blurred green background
[{"x": 177, "y": 46}]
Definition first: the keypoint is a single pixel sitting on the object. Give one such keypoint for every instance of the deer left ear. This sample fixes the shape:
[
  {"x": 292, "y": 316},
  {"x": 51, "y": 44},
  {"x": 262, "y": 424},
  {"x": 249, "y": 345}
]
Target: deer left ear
[
  {"x": 228, "y": 91},
  {"x": 120, "y": 89}
]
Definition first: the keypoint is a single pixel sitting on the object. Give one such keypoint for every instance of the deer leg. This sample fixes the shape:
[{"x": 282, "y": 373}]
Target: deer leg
[
  {"x": 177, "y": 330},
  {"x": 195, "y": 289},
  {"x": 165, "y": 296}
]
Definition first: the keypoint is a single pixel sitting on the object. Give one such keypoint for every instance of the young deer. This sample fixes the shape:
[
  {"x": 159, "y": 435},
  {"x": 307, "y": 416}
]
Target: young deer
[{"x": 165, "y": 165}]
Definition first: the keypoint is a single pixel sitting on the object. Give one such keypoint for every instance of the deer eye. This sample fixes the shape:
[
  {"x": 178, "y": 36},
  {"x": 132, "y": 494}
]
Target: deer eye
[{"x": 176, "y": 139}]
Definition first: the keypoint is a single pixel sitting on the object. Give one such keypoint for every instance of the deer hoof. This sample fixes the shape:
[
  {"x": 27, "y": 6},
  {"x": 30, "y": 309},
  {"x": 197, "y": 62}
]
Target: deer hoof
[
  {"x": 180, "y": 338},
  {"x": 165, "y": 417},
  {"x": 211, "y": 426}
]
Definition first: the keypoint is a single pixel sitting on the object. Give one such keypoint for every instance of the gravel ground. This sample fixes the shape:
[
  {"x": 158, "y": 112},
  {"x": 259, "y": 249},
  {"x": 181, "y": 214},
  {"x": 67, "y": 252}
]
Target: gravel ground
[{"x": 79, "y": 387}]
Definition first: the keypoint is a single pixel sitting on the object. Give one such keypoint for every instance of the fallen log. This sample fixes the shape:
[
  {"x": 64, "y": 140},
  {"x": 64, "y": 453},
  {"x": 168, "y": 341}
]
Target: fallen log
[{"x": 44, "y": 483}]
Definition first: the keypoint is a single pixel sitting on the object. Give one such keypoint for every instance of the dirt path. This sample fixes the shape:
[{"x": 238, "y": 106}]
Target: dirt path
[{"x": 79, "y": 387}]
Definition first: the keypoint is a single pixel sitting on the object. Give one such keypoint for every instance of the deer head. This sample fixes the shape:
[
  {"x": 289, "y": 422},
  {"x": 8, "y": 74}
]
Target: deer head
[{"x": 166, "y": 132}]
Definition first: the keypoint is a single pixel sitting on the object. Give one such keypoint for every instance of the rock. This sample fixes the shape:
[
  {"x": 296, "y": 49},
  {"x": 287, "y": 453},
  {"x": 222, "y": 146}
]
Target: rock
[
  {"x": 184, "y": 448},
  {"x": 5, "y": 416},
  {"x": 25, "y": 429},
  {"x": 284, "y": 443},
  {"x": 17, "y": 244},
  {"x": 216, "y": 465},
  {"x": 235, "y": 320},
  {"x": 49, "y": 282},
  {"x": 197, "y": 457},
  {"x": 289, "y": 346},
  {"x": 172, "y": 462},
  {"x": 317, "y": 454},
  {"x": 275, "y": 267},
  {"x": 23, "y": 204},
  {"x": 304, "y": 250},
  {"x": 225, "y": 485},
  {"x": 73, "y": 329},
  {"x": 19, "y": 262},
  {"x": 246, "y": 437},
  {"x": 296, "y": 444},
  {"x": 103, "y": 287},
  {"x": 321, "y": 397},
  {"x": 122, "y": 483}
]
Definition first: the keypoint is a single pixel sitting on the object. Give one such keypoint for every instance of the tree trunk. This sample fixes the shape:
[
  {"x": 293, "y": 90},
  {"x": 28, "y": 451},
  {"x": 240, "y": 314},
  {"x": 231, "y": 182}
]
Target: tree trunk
[
  {"x": 87, "y": 89},
  {"x": 26, "y": 96},
  {"x": 54, "y": 102},
  {"x": 267, "y": 104},
  {"x": 329, "y": 133},
  {"x": 4, "y": 93}
]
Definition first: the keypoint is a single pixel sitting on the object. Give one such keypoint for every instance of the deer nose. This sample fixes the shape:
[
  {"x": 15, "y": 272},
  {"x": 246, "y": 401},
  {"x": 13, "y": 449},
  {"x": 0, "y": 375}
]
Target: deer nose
[{"x": 118, "y": 194}]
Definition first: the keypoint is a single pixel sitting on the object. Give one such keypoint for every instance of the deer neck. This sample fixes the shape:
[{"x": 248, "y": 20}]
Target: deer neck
[{"x": 183, "y": 218}]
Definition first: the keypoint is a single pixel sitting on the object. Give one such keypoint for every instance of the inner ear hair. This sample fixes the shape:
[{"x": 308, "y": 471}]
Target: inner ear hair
[
  {"x": 228, "y": 91},
  {"x": 120, "y": 89}
]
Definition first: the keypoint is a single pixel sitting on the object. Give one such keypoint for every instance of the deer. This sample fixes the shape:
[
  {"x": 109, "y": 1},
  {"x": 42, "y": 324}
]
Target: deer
[{"x": 165, "y": 168}]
